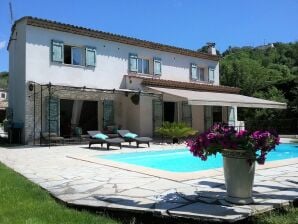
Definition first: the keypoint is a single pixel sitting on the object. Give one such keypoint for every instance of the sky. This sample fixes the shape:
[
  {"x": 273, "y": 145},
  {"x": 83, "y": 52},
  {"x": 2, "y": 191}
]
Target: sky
[{"x": 182, "y": 23}]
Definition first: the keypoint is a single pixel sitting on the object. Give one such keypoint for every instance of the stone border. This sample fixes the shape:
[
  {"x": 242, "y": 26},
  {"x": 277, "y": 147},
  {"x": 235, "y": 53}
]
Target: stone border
[{"x": 175, "y": 176}]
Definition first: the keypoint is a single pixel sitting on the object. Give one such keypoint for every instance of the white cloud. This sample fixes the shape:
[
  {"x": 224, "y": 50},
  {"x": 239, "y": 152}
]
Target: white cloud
[{"x": 2, "y": 44}]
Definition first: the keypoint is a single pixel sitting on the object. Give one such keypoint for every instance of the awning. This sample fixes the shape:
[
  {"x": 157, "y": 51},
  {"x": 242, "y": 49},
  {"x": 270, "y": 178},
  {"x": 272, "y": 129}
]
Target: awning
[{"x": 219, "y": 99}]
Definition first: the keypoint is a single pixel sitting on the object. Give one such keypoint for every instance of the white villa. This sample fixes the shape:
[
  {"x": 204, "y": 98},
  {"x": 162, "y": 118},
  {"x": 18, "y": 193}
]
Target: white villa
[{"x": 62, "y": 77}]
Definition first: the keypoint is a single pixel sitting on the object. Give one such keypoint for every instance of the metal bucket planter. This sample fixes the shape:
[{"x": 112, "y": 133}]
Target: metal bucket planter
[{"x": 239, "y": 176}]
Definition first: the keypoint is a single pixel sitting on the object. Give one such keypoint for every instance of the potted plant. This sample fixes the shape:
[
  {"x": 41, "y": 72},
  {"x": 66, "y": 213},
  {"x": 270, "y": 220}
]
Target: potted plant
[
  {"x": 240, "y": 150},
  {"x": 175, "y": 130}
]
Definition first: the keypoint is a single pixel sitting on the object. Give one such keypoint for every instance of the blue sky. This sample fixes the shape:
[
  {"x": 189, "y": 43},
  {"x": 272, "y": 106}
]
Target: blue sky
[{"x": 183, "y": 23}]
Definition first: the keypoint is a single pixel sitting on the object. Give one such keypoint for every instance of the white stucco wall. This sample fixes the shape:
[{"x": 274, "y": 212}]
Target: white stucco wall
[
  {"x": 198, "y": 118},
  {"x": 29, "y": 60},
  {"x": 112, "y": 61},
  {"x": 17, "y": 68}
]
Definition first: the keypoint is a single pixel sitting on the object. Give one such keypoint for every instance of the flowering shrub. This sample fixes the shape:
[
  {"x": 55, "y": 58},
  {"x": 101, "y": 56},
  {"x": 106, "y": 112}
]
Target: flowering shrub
[{"x": 257, "y": 144}]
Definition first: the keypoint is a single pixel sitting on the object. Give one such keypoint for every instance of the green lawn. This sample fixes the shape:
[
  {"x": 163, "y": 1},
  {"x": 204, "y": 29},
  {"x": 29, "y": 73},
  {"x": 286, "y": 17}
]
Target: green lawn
[
  {"x": 24, "y": 202},
  {"x": 284, "y": 216}
]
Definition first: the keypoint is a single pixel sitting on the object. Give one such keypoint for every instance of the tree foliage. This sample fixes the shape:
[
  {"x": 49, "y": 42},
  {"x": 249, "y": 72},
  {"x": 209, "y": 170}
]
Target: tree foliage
[
  {"x": 3, "y": 80},
  {"x": 175, "y": 130},
  {"x": 269, "y": 73}
]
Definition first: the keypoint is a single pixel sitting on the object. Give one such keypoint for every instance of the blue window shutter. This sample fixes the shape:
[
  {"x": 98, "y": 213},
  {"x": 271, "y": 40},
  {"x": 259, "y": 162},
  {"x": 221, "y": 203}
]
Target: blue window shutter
[
  {"x": 52, "y": 110},
  {"x": 133, "y": 62},
  {"x": 186, "y": 113},
  {"x": 157, "y": 66},
  {"x": 90, "y": 55},
  {"x": 57, "y": 51},
  {"x": 208, "y": 117},
  {"x": 211, "y": 74},
  {"x": 193, "y": 71},
  {"x": 108, "y": 113}
]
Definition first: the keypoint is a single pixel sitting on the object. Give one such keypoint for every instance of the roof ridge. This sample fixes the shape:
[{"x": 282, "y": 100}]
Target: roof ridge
[{"x": 51, "y": 24}]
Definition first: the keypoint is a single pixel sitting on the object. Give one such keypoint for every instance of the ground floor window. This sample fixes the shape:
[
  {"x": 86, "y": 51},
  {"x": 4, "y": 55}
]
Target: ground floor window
[
  {"x": 108, "y": 114},
  {"x": 212, "y": 115},
  {"x": 77, "y": 114}
]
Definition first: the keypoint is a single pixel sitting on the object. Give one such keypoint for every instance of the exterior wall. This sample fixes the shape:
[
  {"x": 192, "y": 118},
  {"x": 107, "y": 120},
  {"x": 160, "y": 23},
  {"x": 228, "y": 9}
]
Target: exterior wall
[
  {"x": 17, "y": 68},
  {"x": 136, "y": 118},
  {"x": 198, "y": 118},
  {"x": 30, "y": 61},
  {"x": 146, "y": 116},
  {"x": 112, "y": 61},
  {"x": 41, "y": 107}
]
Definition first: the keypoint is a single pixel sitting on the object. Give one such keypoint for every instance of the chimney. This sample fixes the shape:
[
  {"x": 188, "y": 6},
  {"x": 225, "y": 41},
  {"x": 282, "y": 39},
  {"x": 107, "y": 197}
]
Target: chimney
[{"x": 211, "y": 48}]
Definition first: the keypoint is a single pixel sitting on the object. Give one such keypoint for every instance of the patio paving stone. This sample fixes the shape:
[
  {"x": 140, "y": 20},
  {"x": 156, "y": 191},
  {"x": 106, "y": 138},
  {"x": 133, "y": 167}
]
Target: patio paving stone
[{"x": 84, "y": 183}]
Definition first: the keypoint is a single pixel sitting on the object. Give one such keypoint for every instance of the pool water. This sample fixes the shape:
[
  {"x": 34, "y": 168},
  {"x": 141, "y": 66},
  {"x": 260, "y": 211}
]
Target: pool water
[{"x": 181, "y": 160}]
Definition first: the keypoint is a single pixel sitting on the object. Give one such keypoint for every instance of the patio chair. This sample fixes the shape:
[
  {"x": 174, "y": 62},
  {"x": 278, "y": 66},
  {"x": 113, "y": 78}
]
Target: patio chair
[
  {"x": 109, "y": 141},
  {"x": 126, "y": 135},
  {"x": 51, "y": 137}
]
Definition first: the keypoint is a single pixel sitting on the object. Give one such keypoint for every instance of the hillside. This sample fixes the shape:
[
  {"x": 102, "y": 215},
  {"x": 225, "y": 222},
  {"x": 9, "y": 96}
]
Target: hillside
[
  {"x": 3, "y": 80},
  {"x": 269, "y": 72}
]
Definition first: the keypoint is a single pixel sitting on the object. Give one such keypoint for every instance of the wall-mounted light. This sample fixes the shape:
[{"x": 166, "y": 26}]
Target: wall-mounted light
[{"x": 31, "y": 87}]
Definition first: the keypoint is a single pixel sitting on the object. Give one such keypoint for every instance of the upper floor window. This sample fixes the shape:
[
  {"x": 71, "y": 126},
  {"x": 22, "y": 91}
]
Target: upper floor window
[
  {"x": 138, "y": 65},
  {"x": 141, "y": 65},
  {"x": 211, "y": 74},
  {"x": 3, "y": 95},
  {"x": 84, "y": 56},
  {"x": 197, "y": 73},
  {"x": 157, "y": 66},
  {"x": 73, "y": 55}
]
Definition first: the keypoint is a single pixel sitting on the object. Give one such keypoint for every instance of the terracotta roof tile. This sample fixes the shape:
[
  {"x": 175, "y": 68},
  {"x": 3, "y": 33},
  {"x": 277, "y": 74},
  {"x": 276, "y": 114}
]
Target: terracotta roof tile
[
  {"x": 188, "y": 85},
  {"x": 48, "y": 24}
]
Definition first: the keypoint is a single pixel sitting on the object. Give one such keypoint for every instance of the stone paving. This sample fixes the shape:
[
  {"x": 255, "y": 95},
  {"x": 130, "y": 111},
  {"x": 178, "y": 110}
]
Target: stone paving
[{"x": 78, "y": 182}]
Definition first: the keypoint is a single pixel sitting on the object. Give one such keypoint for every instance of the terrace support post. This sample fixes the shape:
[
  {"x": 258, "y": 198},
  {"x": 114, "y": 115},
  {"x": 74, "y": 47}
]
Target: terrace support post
[
  {"x": 40, "y": 135},
  {"x": 49, "y": 110},
  {"x": 34, "y": 114}
]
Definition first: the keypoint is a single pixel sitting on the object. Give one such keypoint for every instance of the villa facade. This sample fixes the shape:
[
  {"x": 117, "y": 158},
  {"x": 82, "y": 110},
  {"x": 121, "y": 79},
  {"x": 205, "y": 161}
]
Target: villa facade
[{"x": 63, "y": 77}]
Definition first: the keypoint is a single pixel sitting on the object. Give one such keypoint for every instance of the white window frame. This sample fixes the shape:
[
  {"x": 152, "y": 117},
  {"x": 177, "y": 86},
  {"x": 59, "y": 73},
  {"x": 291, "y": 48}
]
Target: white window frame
[
  {"x": 143, "y": 67},
  {"x": 198, "y": 72},
  {"x": 82, "y": 55}
]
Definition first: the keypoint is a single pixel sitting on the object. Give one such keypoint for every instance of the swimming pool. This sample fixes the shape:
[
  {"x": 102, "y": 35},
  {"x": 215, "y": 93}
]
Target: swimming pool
[{"x": 181, "y": 160}]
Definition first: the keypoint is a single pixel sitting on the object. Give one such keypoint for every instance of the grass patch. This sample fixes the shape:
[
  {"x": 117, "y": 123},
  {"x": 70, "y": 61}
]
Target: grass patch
[
  {"x": 24, "y": 202},
  {"x": 287, "y": 215}
]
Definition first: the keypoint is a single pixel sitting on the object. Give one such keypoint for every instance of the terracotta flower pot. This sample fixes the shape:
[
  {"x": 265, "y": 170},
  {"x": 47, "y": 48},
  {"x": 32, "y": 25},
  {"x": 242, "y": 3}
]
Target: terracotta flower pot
[{"x": 239, "y": 176}]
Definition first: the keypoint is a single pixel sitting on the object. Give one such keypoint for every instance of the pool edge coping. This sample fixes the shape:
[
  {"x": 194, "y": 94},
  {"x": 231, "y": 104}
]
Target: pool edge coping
[{"x": 175, "y": 176}]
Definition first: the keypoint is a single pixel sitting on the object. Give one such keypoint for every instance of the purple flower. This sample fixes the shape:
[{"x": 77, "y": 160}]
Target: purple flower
[{"x": 221, "y": 136}]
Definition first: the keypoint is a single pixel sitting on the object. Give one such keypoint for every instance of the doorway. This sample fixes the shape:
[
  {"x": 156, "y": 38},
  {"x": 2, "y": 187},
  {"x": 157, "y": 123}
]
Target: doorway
[
  {"x": 217, "y": 114},
  {"x": 169, "y": 111},
  {"x": 74, "y": 113}
]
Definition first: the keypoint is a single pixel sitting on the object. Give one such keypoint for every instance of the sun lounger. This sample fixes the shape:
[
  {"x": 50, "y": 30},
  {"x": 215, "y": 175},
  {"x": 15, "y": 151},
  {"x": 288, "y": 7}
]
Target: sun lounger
[
  {"x": 138, "y": 140},
  {"x": 108, "y": 141},
  {"x": 51, "y": 137}
]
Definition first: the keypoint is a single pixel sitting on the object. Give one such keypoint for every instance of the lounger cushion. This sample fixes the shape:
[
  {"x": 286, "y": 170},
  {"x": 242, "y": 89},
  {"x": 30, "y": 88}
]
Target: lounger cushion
[
  {"x": 100, "y": 136},
  {"x": 130, "y": 135}
]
